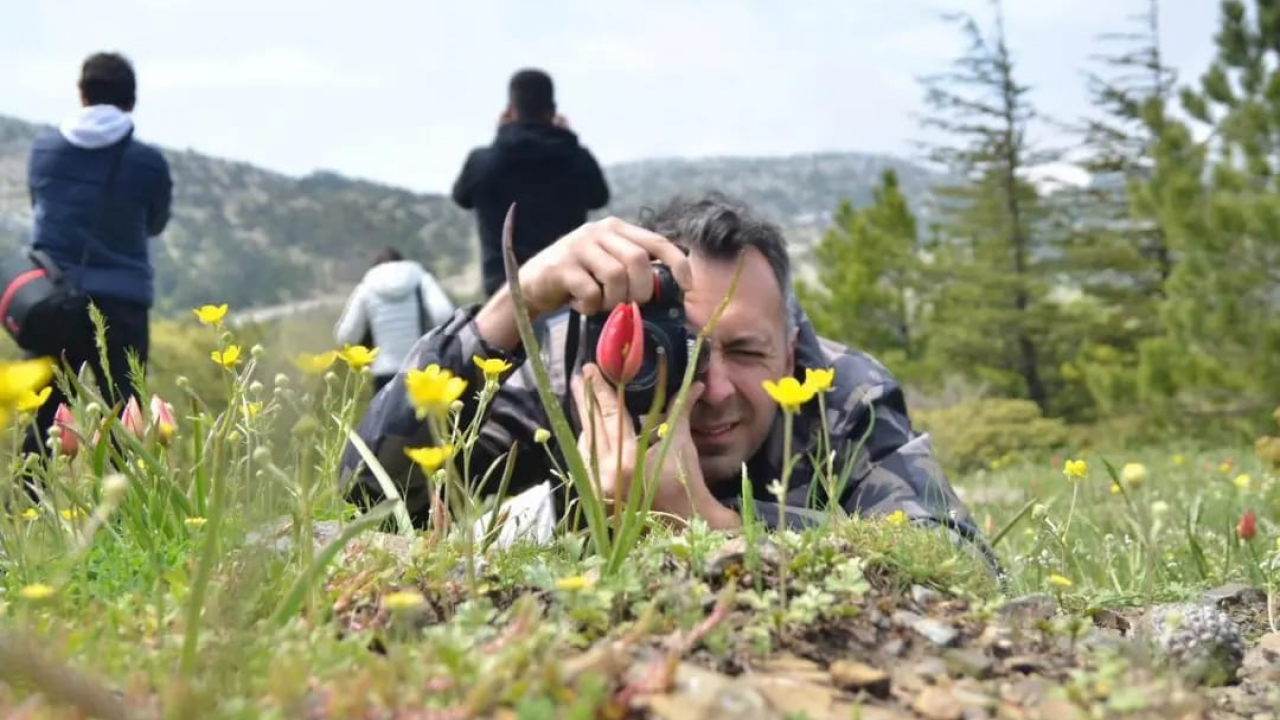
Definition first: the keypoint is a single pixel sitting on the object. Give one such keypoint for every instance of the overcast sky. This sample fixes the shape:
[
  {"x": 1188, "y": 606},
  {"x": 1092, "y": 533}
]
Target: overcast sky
[{"x": 399, "y": 91}]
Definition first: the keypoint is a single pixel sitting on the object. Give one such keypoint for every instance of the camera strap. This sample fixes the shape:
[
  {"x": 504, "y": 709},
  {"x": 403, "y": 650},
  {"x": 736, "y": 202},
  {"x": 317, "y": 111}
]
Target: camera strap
[{"x": 572, "y": 349}]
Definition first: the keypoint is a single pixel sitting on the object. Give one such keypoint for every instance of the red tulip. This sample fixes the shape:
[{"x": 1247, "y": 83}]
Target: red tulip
[
  {"x": 1247, "y": 528},
  {"x": 131, "y": 418},
  {"x": 68, "y": 440},
  {"x": 620, "y": 349},
  {"x": 162, "y": 420}
]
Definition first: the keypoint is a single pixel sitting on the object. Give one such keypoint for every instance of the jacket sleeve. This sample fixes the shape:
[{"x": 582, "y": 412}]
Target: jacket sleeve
[
  {"x": 464, "y": 186},
  {"x": 354, "y": 321},
  {"x": 389, "y": 426},
  {"x": 158, "y": 210},
  {"x": 438, "y": 305},
  {"x": 595, "y": 189}
]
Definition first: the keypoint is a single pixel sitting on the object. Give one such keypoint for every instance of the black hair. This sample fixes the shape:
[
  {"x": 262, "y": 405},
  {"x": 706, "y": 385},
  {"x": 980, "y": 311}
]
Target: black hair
[
  {"x": 108, "y": 79},
  {"x": 386, "y": 255},
  {"x": 532, "y": 95}
]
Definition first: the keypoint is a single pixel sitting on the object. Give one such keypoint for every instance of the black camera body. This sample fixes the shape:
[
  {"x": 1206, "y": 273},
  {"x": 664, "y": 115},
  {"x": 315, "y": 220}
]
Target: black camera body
[{"x": 666, "y": 335}]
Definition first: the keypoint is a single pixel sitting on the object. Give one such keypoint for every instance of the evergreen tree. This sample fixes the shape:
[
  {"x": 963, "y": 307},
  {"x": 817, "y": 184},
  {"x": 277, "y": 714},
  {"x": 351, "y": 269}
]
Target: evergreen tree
[
  {"x": 868, "y": 279},
  {"x": 992, "y": 316},
  {"x": 1224, "y": 291}
]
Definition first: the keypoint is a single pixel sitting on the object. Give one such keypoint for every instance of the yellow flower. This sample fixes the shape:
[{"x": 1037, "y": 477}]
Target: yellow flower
[
  {"x": 18, "y": 379},
  {"x": 251, "y": 409},
  {"x": 574, "y": 582},
  {"x": 315, "y": 364},
  {"x": 1179, "y": 459},
  {"x": 492, "y": 367},
  {"x": 820, "y": 379},
  {"x": 1133, "y": 474},
  {"x": 72, "y": 513},
  {"x": 1075, "y": 469},
  {"x": 30, "y": 514},
  {"x": 789, "y": 393},
  {"x": 1242, "y": 481},
  {"x": 195, "y": 522},
  {"x": 211, "y": 314},
  {"x": 30, "y": 401},
  {"x": 429, "y": 458},
  {"x": 403, "y": 600},
  {"x": 433, "y": 390},
  {"x": 36, "y": 591},
  {"x": 358, "y": 356},
  {"x": 897, "y": 518},
  {"x": 1059, "y": 581},
  {"x": 227, "y": 358}
]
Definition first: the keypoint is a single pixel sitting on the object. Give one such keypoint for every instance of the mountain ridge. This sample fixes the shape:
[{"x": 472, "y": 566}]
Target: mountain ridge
[{"x": 260, "y": 237}]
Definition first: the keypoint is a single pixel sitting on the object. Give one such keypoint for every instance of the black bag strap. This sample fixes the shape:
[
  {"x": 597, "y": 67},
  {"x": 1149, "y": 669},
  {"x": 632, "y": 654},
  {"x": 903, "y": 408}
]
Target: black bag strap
[
  {"x": 422, "y": 311},
  {"x": 101, "y": 213}
]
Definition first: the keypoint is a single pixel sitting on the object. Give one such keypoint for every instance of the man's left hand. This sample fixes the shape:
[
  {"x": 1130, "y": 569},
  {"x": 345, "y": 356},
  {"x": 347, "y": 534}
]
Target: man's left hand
[{"x": 682, "y": 491}]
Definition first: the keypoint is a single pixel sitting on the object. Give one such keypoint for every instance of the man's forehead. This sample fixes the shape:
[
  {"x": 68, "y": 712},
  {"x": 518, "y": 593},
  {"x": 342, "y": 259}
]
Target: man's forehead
[{"x": 756, "y": 306}]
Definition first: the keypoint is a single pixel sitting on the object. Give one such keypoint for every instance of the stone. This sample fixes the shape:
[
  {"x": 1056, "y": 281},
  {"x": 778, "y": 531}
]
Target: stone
[
  {"x": 733, "y": 554},
  {"x": 791, "y": 697},
  {"x": 894, "y": 648},
  {"x": 1200, "y": 641},
  {"x": 1026, "y": 664},
  {"x": 1262, "y": 662},
  {"x": 699, "y": 694},
  {"x": 968, "y": 663},
  {"x": 923, "y": 595},
  {"x": 935, "y": 631},
  {"x": 856, "y": 677},
  {"x": 1233, "y": 594},
  {"x": 1058, "y": 709},
  {"x": 937, "y": 703},
  {"x": 1029, "y": 609}
]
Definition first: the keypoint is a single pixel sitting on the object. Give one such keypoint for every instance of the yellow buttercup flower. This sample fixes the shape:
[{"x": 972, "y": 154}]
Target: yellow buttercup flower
[
  {"x": 429, "y": 458},
  {"x": 1060, "y": 581},
  {"x": 403, "y": 600},
  {"x": 1242, "y": 481},
  {"x": 1179, "y": 459},
  {"x": 789, "y": 393},
  {"x": 251, "y": 409},
  {"x": 195, "y": 522},
  {"x": 30, "y": 401},
  {"x": 211, "y": 314},
  {"x": 36, "y": 591},
  {"x": 1075, "y": 469},
  {"x": 897, "y": 518},
  {"x": 315, "y": 364},
  {"x": 574, "y": 582},
  {"x": 491, "y": 367},
  {"x": 227, "y": 358},
  {"x": 30, "y": 514},
  {"x": 358, "y": 356},
  {"x": 72, "y": 513},
  {"x": 1132, "y": 474},
  {"x": 820, "y": 379},
  {"x": 17, "y": 379},
  {"x": 433, "y": 389}
]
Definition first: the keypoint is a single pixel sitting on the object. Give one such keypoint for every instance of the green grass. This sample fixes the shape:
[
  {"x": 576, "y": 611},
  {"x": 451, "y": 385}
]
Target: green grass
[{"x": 158, "y": 593}]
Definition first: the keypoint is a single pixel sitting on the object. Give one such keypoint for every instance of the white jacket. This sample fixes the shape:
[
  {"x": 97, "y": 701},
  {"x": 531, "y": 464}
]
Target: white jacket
[{"x": 386, "y": 301}]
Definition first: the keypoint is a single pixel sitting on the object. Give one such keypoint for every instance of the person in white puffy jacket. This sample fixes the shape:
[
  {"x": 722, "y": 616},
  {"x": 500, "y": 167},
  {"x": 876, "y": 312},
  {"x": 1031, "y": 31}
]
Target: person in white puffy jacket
[{"x": 396, "y": 303}]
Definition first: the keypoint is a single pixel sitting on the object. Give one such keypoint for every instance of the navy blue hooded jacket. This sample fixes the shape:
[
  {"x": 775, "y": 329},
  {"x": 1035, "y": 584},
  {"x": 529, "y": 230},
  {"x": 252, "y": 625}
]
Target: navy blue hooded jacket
[
  {"x": 66, "y": 173},
  {"x": 542, "y": 168}
]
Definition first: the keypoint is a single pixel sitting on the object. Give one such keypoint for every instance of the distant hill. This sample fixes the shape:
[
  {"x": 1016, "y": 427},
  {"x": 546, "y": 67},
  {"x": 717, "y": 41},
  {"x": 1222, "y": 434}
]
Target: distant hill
[{"x": 258, "y": 238}]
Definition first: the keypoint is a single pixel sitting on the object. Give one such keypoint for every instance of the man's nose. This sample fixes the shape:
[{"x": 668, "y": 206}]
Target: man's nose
[{"x": 716, "y": 378}]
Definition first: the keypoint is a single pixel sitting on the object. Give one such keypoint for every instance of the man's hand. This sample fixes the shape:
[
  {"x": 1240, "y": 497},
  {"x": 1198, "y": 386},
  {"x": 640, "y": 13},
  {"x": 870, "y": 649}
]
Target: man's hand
[
  {"x": 608, "y": 433},
  {"x": 592, "y": 269}
]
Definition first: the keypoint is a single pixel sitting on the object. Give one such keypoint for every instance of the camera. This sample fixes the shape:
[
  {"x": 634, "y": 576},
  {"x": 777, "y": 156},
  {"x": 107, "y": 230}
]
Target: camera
[{"x": 666, "y": 335}]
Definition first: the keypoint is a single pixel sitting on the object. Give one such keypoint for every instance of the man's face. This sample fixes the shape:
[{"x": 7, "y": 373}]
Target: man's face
[{"x": 748, "y": 346}]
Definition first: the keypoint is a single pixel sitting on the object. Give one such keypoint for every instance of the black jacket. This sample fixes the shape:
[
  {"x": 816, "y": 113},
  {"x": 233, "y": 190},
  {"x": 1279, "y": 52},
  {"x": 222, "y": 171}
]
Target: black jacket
[{"x": 552, "y": 179}]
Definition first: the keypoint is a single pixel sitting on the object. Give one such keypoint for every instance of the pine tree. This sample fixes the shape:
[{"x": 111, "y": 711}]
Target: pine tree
[
  {"x": 868, "y": 279},
  {"x": 992, "y": 316},
  {"x": 1224, "y": 292}
]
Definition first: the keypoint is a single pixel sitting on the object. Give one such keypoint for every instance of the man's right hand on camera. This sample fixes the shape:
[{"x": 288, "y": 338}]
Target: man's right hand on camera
[{"x": 592, "y": 269}]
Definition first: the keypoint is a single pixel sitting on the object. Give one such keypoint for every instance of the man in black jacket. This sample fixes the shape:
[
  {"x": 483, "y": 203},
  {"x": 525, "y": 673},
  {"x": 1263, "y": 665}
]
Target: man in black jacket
[{"x": 536, "y": 162}]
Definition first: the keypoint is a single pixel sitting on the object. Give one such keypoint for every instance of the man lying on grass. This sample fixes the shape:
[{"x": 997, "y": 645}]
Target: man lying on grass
[{"x": 732, "y": 414}]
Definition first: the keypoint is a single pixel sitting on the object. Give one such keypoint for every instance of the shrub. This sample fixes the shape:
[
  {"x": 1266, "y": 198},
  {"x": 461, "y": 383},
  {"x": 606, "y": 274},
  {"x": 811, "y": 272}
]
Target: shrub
[{"x": 978, "y": 433}]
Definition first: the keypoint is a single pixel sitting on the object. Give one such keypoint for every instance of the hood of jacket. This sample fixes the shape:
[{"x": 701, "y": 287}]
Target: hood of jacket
[
  {"x": 96, "y": 126},
  {"x": 535, "y": 143},
  {"x": 394, "y": 280}
]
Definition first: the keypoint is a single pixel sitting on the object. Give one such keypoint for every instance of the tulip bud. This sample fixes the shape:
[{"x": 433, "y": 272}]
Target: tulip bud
[
  {"x": 620, "y": 349},
  {"x": 64, "y": 423},
  {"x": 1247, "y": 528},
  {"x": 131, "y": 418},
  {"x": 162, "y": 420}
]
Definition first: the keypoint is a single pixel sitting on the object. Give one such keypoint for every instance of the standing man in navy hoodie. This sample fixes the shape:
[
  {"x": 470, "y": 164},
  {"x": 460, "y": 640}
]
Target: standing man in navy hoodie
[
  {"x": 98, "y": 231},
  {"x": 537, "y": 163}
]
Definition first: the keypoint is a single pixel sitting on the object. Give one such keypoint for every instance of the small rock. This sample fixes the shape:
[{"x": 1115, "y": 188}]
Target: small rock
[
  {"x": 1026, "y": 692},
  {"x": 1111, "y": 620},
  {"x": 700, "y": 694},
  {"x": 914, "y": 677},
  {"x": 734, "y": 554},
  {"x": 1262, "y": 661},
  {"x": 969, "y": 663},
  {"x": 923, "y": 595},
  {"x": 935, "y": 631},
  {"x": 792, "y": 697},
  {"x": 937, "y": 703},
  {"x": 1201, "y": 641},
  {"x": 1233, "y": 594},
  {"x": 1030, "y": 609},
  {"x": 894, "y": 648},
  {"x": 856, "y": 676},
  {"x": 1058, "y": 709}
]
